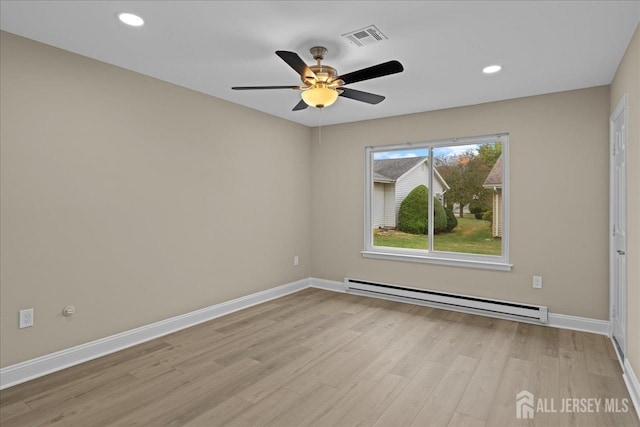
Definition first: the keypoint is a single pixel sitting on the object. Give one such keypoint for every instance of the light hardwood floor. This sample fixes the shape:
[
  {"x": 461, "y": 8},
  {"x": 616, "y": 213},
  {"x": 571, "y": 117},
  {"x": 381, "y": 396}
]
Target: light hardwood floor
[{"x": 328, "y": 359}]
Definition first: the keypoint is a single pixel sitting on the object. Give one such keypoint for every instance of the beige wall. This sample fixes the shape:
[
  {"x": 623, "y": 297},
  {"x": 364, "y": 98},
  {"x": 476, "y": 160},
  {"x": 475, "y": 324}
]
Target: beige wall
[
  {"x": 135, "y": 200},
  {"x": 627, "y": 80},
  {"x": 558, "y": 200}
]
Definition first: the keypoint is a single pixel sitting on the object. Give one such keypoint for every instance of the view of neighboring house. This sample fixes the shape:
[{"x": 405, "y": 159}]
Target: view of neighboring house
[
  {"x": 494, "y": 182},
  {"x": 393, "y": 179}
]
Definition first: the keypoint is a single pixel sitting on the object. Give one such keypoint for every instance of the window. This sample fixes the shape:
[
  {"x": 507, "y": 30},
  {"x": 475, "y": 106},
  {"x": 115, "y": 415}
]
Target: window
[{"x": 442, "y": 202}]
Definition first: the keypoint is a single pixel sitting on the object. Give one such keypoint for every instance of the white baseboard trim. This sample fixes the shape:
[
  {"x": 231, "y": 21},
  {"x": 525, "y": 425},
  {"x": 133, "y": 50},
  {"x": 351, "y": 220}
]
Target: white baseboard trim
[
  {"x": 576, "y": 323},
  {"x": 328, "y": 285},
  {"x": 34, "y": 368},
  {"x": 631, "y": 380}
]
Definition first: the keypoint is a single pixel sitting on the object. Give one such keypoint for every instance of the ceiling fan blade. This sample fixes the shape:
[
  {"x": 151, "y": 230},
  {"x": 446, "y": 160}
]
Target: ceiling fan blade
[
  {"x": 384, "y": 69},
  {"x": 263, "y": 87},
  {"x": 358, "y": 95},
  {"x": 300, "y": 106},
  {"x": 296, "y": 63}
]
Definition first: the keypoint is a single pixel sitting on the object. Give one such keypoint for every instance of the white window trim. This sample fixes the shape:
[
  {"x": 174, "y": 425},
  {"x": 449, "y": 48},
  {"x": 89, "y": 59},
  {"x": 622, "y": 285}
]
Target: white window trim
[{"x": 443, "y": 258}]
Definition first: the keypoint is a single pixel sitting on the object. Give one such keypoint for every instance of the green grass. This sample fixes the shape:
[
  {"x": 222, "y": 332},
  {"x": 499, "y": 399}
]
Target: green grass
[{"x": 471, "y": 236}]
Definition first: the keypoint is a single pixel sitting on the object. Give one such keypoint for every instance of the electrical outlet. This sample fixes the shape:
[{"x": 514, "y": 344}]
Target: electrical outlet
[
  {"x": 537, "y": 282},
  {"x": 26, "y": 318},
  {"x": 296, "y": 260}
]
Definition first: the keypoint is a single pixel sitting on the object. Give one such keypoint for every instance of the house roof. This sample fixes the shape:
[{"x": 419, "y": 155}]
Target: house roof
[
  {"x": 389, "y": 170},
  {"x": 494, "y": 179}
]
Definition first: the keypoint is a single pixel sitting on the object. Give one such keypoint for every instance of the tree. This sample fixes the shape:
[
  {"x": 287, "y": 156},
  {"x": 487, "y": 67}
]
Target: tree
[
  {"x": 465, "y": 173},
  {"x": 490, "y": 153}
]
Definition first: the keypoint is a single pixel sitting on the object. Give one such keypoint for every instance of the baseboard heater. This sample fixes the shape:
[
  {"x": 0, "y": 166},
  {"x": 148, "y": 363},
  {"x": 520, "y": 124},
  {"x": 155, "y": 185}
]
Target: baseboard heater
[{"x": 464, "y": 303}]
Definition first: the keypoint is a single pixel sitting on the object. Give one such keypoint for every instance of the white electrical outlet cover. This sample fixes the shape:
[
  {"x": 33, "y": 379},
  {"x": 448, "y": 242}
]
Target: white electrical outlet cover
[{"x": 26, "y": 318}]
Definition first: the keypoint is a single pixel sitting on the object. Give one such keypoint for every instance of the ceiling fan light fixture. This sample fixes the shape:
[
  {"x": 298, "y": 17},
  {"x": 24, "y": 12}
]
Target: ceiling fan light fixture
[{"x": 319, "y": 96}]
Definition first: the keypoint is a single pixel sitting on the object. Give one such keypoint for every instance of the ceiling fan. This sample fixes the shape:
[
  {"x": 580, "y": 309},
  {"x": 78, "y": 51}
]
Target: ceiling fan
[{"x": 322, "y": 84}]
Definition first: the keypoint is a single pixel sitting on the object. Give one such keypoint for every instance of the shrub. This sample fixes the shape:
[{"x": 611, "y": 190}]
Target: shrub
[
  {"x": 478, "y": 207},
  {"x": 439, "y": 217},
  {"x": 475, "y": 208},
  {"x": 412, "y": 216},
  {"x": 452, "y": 221},
  {"x": 488, "y": 216},
  {"x": 414, "y": 211}
]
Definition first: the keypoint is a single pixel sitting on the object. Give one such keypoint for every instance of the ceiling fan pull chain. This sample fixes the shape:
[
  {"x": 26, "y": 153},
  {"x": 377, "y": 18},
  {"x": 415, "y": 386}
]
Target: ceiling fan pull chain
[{"x": 320, "y": 127}]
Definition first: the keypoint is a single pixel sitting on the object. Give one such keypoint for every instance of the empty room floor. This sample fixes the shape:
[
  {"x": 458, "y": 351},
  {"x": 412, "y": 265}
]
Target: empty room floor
[{"x": 329, "y": 359}]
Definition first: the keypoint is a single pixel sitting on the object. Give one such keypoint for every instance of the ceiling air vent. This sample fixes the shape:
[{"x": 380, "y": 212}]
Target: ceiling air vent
[{"x": 365, "y": 36}]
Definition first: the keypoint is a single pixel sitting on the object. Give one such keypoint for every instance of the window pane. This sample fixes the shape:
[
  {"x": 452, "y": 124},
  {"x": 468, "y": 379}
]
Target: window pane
[
  {"x": 400, "y": 187},
  {"x": 472, "y": 197}
]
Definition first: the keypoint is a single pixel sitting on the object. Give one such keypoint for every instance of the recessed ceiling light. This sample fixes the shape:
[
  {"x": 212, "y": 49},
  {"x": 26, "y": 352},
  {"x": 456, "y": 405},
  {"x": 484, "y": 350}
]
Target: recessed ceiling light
[
  {"x": 491, "y": 69},
  {"x": 131, "y": 19}
]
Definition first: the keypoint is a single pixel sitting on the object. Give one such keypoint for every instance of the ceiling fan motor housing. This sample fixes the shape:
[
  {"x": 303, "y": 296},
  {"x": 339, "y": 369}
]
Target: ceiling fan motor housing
[{"x": 318, "y": 52}]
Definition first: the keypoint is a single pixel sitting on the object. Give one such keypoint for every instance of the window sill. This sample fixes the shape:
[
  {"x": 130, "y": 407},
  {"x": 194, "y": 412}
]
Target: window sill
[{"x": 486, "y": 265}]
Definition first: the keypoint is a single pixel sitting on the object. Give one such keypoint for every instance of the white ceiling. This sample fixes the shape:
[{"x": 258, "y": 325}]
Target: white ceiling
[{"x": 209, "y": 46}]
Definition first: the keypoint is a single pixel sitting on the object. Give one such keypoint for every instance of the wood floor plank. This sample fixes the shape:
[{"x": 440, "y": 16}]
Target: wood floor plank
[
  {"x": 461, "y": 420},
  {"x": 599, "y": 361},
  {"x": 221, "y": 414},
  {"x": 266, "y": 410},
  {"x": 545, "y": 384},
  {"x": 231, "y": 327},
  {"x": 82, "y": 389},
  {"x": 450, "y": 339},
  {"x": 526, "y": 342},
  {"x": 260, "y": 389},
  {"x": 570, "y": 341},
  {"x": 411, "y": 363},
  {"x": 405, "y": 407},
  {"x": 339, "y": 366},
  {"x": 13, "y": 410},
  {"x": 190, "y": 400},
  {"x": 573, "y": 377},
  {"x": 619, "y": 410},
  {"x": 330, "y": 359},
  {"x": 212, "y": 349},
  {"x": 368, "y": 409},
  {"x": 370, "y": 311},
  {"x": 280, "y": 333},
  {"x": 388, "y": 312},
  {"x": 108, "y": 409},
  {"x": 514, "y": 379},
  {"x": 304, "y": 405},
  {"x": 63, "y": 379},
  {"x": 296, "y": 337},
  {"x": 388, "y": 358},
  {"x": 325, "y": 334},
  {"x": 479, "y": 394},
  {"x": 355, "y": 304},
  {"x": 441, "y": 404},
  {"x": 476, "y": 335},
  {"x": 337, "y": 375},
  {"x": 341, "y": 403}
]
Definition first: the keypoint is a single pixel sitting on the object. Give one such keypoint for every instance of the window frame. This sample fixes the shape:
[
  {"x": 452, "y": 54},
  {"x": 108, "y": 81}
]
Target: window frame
[{"x": 491, "y": 262}]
